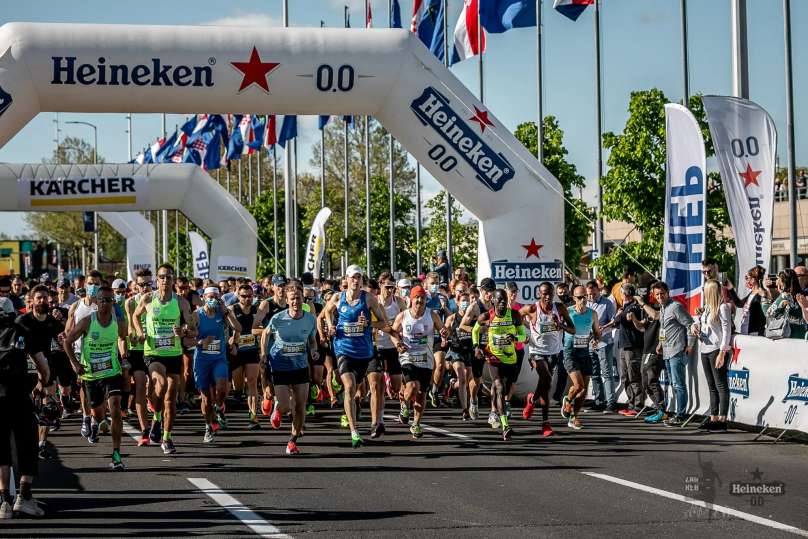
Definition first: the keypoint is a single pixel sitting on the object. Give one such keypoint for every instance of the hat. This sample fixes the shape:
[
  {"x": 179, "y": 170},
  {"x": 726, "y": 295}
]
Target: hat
[
  {"x": 6, "y": 306},
  {"x": 441, "y": 253},
  {"x": 417, "y": 291},
  {"x": 63, "y": 283},
  {"x": 45, "y": 278},
  {"x": 211, "y": 290},
  {"x": 488, "y": 284},
  {"x": 118, "y": 283},
  {"x": 278, "y": 279},
  {"x": 257, "y": 289},
  {"x": 352, "y": 270},
  {"x": 307, "y": 278},
  {"x": 404, "y": 283}
]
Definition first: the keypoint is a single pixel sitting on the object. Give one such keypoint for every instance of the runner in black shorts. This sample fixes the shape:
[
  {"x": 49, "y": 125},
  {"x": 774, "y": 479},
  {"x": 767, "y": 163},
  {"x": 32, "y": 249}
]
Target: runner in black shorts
[
  {"x": 461, "y": 351},
  {"x": 137, "y": 363},
  {"x": 244, "y": 363}
]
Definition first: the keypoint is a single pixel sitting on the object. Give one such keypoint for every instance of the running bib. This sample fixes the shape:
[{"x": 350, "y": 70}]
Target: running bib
[
  {"x": 353, "y": 329},
  {"x": 547, "y": 327},
  {"x": 55, "y": 346},
  {"x": 661, "y": 335},
  {"x": 500, "y": 340},
  {"x": 580, "y": 341},
  {"x": 245, "y": 341},
  {"x": 164, "y": 339},
  {"x": 214, "y": 348},
  {"x": 417, "y": 358},
  {"x": 100, "y": 362},
  {"x": 293, "y": 348}
]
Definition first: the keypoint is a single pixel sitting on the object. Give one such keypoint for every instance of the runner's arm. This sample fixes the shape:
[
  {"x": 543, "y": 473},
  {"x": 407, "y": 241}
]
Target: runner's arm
[
  {"x": 381, "y": 322},
  {"x": 139, "y": 311},
  {"x": 42, "y": 369},
  {"x": 260, "y": 315},
  {"x": 470, "y": 317},
  {"x": 521, "y": 334},
  {"x": 79, "y": 330},
  {"x": 568, "y": 326},
  {"x": 234, "y": 324}
]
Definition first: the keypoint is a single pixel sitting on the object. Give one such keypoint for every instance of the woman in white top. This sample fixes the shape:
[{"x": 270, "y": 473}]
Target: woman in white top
[{"x": 714, "y": 330}]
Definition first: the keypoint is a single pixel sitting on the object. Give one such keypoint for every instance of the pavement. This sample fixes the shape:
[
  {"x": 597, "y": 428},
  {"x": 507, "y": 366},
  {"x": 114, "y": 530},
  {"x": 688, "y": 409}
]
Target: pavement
[{"x": 615, "y": 478}]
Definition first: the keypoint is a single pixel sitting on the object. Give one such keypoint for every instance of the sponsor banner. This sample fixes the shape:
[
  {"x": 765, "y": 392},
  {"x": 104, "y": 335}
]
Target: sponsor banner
[
  {"x": 528, "y": 276},
  {"x": 135, "y": 262},
  {"x": 738, "y": 382},
  {"x": 110, "y": 193},
  {"x": 231, "y": 266},
  {"x": 745, "y": 141},
  {"x": 199, "y": 249},
  {"x": 316, "y": 244},
  {"x": 685, "y": 207}
]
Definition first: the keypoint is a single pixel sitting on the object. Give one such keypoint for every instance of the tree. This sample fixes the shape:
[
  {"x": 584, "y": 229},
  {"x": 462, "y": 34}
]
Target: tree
[
  {"x": 634, "y": 187},
  {"x": 577, "y": 216},
  {"x": 464, "y": 235}
]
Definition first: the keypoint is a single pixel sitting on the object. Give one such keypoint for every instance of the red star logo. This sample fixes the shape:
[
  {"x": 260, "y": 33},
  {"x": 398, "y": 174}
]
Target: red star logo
[
  {"x": 532, "y": 248},
  {"x": 735, "y": 353},
  {"x": 255, "y": 71},
  {"x": 749, "y": 176},
  {"x": 481, "y": 117}
]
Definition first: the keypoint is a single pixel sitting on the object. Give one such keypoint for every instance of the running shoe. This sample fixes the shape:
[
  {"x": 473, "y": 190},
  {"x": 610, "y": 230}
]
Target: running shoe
[
  {"x": 28, "y": 507},
  {"x": 253, "y": 424},
  {"x": 276, "y": 419},
  {"x": 6, "y": 512},
  {"x": 656, "y": 417},
  {"x": 356, "y": 440},
  {"x": 55, "y": 426},
  {"x": 168, "y": 447},
  {"x": 574, "y": 423},
  {"x": 310, "y": 411},
  {"x": 433, "y": 398},
  {"x": 403, "y": 413},
  {"x": 610, "y": 409},
  {"x": 117, "y": 462},
  {"x": 156, "y": 432},
  {"x": 465, "y": 416},
  {"x": 673, "y": 422},
  {"x": 335, "y": 385},
  {"x": 291, "y": 448},
  {"x": 377, "y": 430},
  {"x": 629, "y": 412},
  {"x": 85, "y": 426},
  {"x": 416, "y": 430},
  {"x": 547, "y": 430},
  {"x": 210, "y": 436},
  {"x": 507, "y": 408},
  {"x": 103, "y": 427},
  {"x": 44, "y": 452},
  {"x": 343, "y": 421},
  {"x": 220, "y": 417},
  {"x": 214, "y": 426},
  {"x": 183, "y": 408},
  {"x": 65, "y": 413},
  {"x": 144, "y": 438},
  {"x": 334, "y": 403},
  {"x": 527, "y": 411},
  {"x": 493, "y": 420},
  {"x": 320, "y": 394},
  {"x": 705, "y": 424},
  {"x": 566, "y": 408},
  {"x": 506, "y": 433},
  {"x": 266, "y": 407},
  {"x": 474, "y": 411},
  {"x": 93, "y": 436}
]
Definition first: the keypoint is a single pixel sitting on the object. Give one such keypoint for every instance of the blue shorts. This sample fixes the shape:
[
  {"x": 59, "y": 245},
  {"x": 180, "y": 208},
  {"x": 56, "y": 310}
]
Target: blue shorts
[{"x": 208, "y": 371}]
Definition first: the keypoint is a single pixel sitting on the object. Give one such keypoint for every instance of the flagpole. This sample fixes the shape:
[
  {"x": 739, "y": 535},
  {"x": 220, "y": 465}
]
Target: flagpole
[
  {"x": 392, "y": 186},
  {"x": 346, "y": 224},
  {"x": 165, "y": 212},
  {"x": 539, "y": 112},
  {"x": 294, "y": 207},
  {"x": 258, "y": 170},
  {"x": 740, "y": 50},
  {"x": 448, "y": 194},
  {"x": 287, "y": 181},
  {"x": 249, "y": 178},
  {"x": 685, "y": 58},
  {"x": 275, "y": 207},
  {"x": 367, "y": 177},
  {"x": 792, "y": 187},
  {"x": 599, "y": 129},
  {"x": 240, "y": 182},
  {"x": 418, "y": 219}
]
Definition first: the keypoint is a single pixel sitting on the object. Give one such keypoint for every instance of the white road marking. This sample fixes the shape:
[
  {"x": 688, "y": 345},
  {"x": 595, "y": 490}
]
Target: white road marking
[
  {"x": 131, "y": 431},
  {"x": 700, "y": 503},
  {"x": 237, "y": 509},
  {"x": 436, "y": 430}
]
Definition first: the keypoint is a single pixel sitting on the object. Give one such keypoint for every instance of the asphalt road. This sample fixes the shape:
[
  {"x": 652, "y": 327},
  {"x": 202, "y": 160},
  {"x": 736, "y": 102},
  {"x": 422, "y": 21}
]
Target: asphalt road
[{"x": 461, "y": 480}]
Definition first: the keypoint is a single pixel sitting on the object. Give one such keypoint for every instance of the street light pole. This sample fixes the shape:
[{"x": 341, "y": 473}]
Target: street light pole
[{"x": 95, "y": 162}]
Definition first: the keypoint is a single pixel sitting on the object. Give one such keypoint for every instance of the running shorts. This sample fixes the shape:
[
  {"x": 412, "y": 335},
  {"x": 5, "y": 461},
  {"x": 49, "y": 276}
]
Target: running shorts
[
  {"x": 99, "y": 390},
  {"x": 417, "y": 374},
  {"x": 172, "y": 364},
  {"x": 290, "y": 378}
]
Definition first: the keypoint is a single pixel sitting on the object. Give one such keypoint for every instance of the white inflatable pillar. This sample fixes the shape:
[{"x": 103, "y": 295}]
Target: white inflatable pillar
[{"x": 139, "y": 235}]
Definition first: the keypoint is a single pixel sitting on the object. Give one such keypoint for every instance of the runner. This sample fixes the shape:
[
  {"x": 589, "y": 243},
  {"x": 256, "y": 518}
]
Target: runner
[
  {"x": 183, "y": 289},
  {"x": 353, "y": 339},
  {"x": 439, "y": 303},
  {"x": 119, "y": 291},
  {"x": 505, "y": 329},
  {"x": 386, "y": 353},
  {"x": 513, "y": 302},
  {"x": 286, "y": 344},
  {"x": 210, "y": 358},
  {"x": 577, "y": 356},
  {"x": 100, "y": 366},
  {"x": 317, "y": 366},
  {"x": 461, "y": 350},
  {"x": 267, "y": 310},
  {"x": 168, "y": 320},
  {"x": 548, "y": 321},
  {"x": 417, "y": 326},
  {"x": 244, "y": 364},
  {"x": 326, "y": 349},
  {"x": 143, "y": 285},
  {"x": 477, "y": 305},
  {"x": 64, "y": 374}
]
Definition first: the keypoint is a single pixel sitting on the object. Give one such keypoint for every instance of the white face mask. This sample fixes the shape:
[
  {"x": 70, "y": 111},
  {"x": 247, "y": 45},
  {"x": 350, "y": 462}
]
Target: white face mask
[{"x": 433, "y": 289}]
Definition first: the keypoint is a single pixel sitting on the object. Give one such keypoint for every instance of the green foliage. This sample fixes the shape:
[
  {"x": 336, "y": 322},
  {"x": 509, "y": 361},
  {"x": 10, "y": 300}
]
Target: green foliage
[
  {"x": 577, "y": 215},
  {"x": 464, "y": 235}
]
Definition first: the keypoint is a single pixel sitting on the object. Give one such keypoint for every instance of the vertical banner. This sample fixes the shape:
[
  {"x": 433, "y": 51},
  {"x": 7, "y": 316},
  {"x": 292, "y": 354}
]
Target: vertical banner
[
  {"x": 316, "y": 244},
  {"x": 685, "y": 207},
  {"x": 199, "y": 250},
  {"x": 745, "y": 141}
]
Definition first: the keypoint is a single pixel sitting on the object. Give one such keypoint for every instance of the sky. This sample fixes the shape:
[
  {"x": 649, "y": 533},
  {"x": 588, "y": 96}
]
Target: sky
[{"x": 640, "y": 49}]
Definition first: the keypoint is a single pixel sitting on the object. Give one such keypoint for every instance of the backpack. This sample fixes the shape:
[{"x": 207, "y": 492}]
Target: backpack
[{"x": 13, "y": 359}]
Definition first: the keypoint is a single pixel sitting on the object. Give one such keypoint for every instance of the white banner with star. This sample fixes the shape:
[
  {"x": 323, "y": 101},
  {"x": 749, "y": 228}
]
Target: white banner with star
[{"x": 745, "y": 141}]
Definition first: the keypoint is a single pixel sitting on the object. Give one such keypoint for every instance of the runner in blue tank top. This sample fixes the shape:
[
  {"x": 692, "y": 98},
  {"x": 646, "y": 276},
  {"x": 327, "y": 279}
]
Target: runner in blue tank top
[
  {"x": 577, "y": 356},
  {"x": 210, "y": 358},
  {"x": 353, "y": 338}
]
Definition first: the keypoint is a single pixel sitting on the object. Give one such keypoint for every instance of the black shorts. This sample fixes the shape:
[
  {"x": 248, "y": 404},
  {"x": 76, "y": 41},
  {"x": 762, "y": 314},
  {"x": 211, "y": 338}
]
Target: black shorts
[
  {"x": 60, "y": 370},
  {"x": 437, "y": 347},
  {"x": 173, "y": 364},
  {"x": 376, "y": 363},
  {"x": 417, "y": 374},
  {"x": 247, "y": 357},
  {"x": 520, "y": 357},
  {"x": 463, "y": 355},
  {"x": 477, "y": 366},
  {"x": 98, "y": 390},
  {"x": 290, "y": 378},
  {"x": 349, "y": 365},
  {"x": 389, "y": 358},
  {"x": 322, "y": 351},
  {"x": 22, "y": 422},
  {"x": 508, "y": 372},
  {"x": 578, "y": 360},
  {"x": 137, "y": 362}
]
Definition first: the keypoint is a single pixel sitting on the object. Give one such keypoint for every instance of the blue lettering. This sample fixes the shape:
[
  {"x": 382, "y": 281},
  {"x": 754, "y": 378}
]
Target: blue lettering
[{"x": 66, "y": 70}]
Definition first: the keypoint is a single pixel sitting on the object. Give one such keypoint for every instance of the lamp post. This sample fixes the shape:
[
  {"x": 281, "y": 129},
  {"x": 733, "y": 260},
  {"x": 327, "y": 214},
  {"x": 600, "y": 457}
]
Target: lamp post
[{"x": 95, "y": 162}]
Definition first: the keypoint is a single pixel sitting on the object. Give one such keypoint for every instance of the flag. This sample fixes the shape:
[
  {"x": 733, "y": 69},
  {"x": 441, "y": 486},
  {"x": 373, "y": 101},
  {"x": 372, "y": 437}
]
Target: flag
[
  {"x": 204, "y": 149},
  {"x": 571, "y": 9},
  {"x": 498, "y": 16},
  {"x": 189, "y": 126},
  {"x": 236, "y": 144},
  {"x": 396, "y": 15},
  {"x": 247, "y": 135},
  {"x": 153, "y": 150},
  {"x": 323, "y": 121},
  {"x": 177, "y": 152},
  {"x": 315, "y": 247},
  {"x": 271, "y": 132},
  {"x": 424, "y": 17},
  {"x": 288, "y": 130},
  {"x": 465, "y": 34},
  {"x": 685, "y": 239},
  {"x": 745, "y": 141},
  {"x": 258, "y": 126},
  {"x": 436, "y": 45},
  {"x": 199, "y": 248},
  {"x": 164, "y": 151},
  {"x": 349, "y": 120},
  {"x": 369, "y": 18}
]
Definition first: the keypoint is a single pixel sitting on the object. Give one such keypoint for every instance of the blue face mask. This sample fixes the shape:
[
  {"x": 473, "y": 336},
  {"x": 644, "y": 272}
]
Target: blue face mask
[
  {"x": 405, "y": 292},
  {"x": 464, "y": 305},
  {"x": 212, "y": 303},
  {"x": 255, "y": 301},
  {"x": 119, "y": 298},
  {"x": 92, "y": 290},
  {"x": 433, "y": 289}
]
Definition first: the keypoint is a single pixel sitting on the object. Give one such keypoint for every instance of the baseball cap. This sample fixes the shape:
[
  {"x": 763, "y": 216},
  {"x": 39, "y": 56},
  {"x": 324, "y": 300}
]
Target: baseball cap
[
  {"x": 45, "y": 278},
  {"x": 488, "y": 284},
  {"x": 257, "y": 289},
  {"x": 352, "y": 270},
  {"x": 404, "y": 283},
  {"x": 441, "y": 253},
  {"x": 417, "y": 291},
  {"x": 6, "y": 306},
  {"x": 118, "y": 283},
  {"x": 279, "y": 279},
  {"x": 64, "y": 283}
]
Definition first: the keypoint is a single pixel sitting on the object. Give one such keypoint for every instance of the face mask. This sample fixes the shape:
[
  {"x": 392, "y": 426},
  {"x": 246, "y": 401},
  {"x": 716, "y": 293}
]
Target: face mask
[
  {"x": 255, "y": 301},
  {"x": 92, "y": 290},
  {"x": 212, "y": 303},
  {"x": 404, "y": 293},
  {"x": 118, "y": 298},
  {"x": 464, "y": 305},
  {"x": 433, "y": 289}
]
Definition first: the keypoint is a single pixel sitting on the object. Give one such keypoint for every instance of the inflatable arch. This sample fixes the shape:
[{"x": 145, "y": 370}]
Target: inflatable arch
[
  {"x": 385, "y": 73},
  {"x": 139, "y": 235},
  {"x": 122, "y": 188}
]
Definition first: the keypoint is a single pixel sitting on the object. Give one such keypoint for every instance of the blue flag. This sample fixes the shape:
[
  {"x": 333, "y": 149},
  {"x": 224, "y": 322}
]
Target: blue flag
[
  {"x": 498, "y": 16},
  {"x": 396, "y": 15},
  {"x": 349, "y": 120},
  {"x": 288, "y": 130},
  {"x": 437, "y": 45},
  {"x": 323, "y": 122},
  {"x": 259, "y": 125},
  {"x": 426, "y": 26},
  {"x": 236, "y": 144},
  {"x": 189, "y": 126},
  {"x": 164, "y": 152}
]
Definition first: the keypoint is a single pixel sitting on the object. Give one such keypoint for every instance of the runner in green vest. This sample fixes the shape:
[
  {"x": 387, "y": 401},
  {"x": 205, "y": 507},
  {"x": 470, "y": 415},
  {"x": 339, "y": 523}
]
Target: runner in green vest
[
  {"x": 103, "y": 358},
  {"x": 168, "y": 320},
  {"x": 143, "y": 284}
]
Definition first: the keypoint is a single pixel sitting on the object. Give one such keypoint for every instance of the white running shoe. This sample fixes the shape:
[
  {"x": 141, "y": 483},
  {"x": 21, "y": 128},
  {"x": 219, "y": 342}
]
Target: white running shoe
[
  {"x": 28, "y": 507},
  {"x": 493, "y": 420}
]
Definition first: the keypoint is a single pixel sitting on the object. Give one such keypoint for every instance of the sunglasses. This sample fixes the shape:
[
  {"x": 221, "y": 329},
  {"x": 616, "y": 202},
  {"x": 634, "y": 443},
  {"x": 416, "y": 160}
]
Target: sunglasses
[
  {"x": 105, "y": 300},
  {"x": 143, "y": 284},
  {"x": 5, "y": 291},
  {"x": 390, "y": 286},
  {"x": 580, "y": 297},
  {"x": 165, "y": 276}
]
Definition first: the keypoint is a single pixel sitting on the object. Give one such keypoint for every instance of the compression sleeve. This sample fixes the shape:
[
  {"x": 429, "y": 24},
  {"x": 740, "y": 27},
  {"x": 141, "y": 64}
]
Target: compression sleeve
[
  {"x": 521, "y": 335},
  {"x": 475, "y": 334}
]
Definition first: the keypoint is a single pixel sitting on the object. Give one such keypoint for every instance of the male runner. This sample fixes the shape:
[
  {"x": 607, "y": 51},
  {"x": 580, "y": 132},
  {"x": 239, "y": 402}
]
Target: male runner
[
  {"x": 143, "y": 285},
  {"x": 386, "y": 349},
  {"x": 168, "y": 320},
  {"x": 481, "y": 304},
  {"x": 183, "y": 289},
  {"x": 577, "y": 356},
  {"x": 461, "y": 350},
  {"x": 267, "y": 309},
  {"x": 101, "y": 365},
  {"x": 439, "y": 303},
  {"x": 244, "y": 366}
]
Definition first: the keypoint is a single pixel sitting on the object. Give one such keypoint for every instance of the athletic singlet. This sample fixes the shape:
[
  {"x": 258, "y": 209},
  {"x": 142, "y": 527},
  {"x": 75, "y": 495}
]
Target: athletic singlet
[
  {"x": 351, "y": 339},
  {"x": 99, "y": 349},
  {"x": 499, "y": 345},
  {"x": 138, "y": 346},
  {"x": 517, "y": 307},
  {"x": 460, "y": 341},
  {"x": 82, "y": 311},
  {"x": 418, "y": 334},
  {"x": 247, "y": 342},
  {"x": 211, "y": 327},
  {"x": 545, "y": 333},
  {"x": 583, "y": 330},
  {"x": 160, "y": 321},
  {"x": 383, "y": 339}
]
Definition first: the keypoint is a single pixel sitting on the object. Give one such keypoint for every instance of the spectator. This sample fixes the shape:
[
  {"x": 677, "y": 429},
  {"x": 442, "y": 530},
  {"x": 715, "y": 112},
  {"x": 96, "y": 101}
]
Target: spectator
[
  {"x": 755, "y": 304},
  {"x": 629, "y": 358},
  {"x": 603, "y": 386},
  {"x": 17, "y": 295},
  {"x": 709, "y": 268},
  {"x": 563, "y": 293},
  {"x": 629, "y": 276},
  {"x": 652, "y": 362},
  {"x": 714, "y": 330},
  {"x": 802, "y": 278},
  {"x": 441, "y": 266},
  {"x": 786, "y": 308}
]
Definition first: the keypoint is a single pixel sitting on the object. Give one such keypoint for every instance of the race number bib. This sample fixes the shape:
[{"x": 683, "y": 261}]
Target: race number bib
[
  {"x": 547, "y": 327},
  {"x": 164, "y": 339},
  {"x": 580, "y": 341},
  {"x": 100, "y": 362},
  {"x": 353, "y": 329},
  {"x": 214, "y": 348},
  {"x": 293, "y": 348},
  {"x": 661, "y": 335},
  {"x": 417, "y": 358},
  {"x": 246, "y": 341},
  {"x": 500, "y": 340},
  {"x": 55, "y": 346}
]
